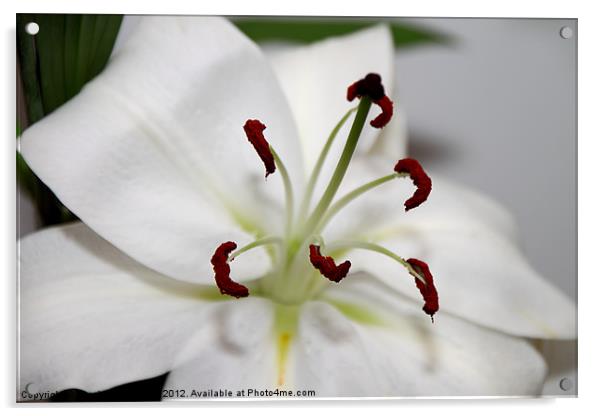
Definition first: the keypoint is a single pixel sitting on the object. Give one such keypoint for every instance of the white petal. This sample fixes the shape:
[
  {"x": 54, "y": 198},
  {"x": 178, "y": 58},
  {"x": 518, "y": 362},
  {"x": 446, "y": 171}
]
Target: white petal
[
  {"x": 237, "y": 354},
  {"x": 315, "y": 80},
  {"x": 92, "y": 318},
  {"x": 403, "y": 354},
  {"x": 152, "y": 154}
]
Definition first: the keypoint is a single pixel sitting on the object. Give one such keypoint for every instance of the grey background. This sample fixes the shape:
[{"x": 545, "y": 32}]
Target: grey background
[{"x": 496, "y": 110}]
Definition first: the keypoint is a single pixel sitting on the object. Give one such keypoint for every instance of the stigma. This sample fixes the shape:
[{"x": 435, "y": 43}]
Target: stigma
[{"x": 372, "y": 87}]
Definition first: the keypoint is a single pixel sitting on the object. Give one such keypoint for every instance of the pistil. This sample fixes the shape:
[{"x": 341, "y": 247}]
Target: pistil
[{"x": 342, "y": 165}]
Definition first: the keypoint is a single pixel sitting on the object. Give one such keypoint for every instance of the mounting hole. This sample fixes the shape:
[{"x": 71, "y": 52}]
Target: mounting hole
[
  {"x": 566, "y": 384},
  {"x": 566, "y": 32},
  {"x": 32, "y": 28}
]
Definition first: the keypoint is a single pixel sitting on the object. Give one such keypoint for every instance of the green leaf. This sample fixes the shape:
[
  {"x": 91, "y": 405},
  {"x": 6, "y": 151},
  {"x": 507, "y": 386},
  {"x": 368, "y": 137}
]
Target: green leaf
[
  {"x": 29, "y": 72},
  {"x": 311, "y": 30}
]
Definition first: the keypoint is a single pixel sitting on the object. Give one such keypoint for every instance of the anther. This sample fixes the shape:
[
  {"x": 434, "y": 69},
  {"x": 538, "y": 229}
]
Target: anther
[
  {"x": 221, "y": 269},
  {"x": 371, "y": 86},
  {"x": 428, "y": 291},
  {"x": 327, "y": 266},
  {"x": 254, "y": 131},
  {"x": 421, "y": 180}
]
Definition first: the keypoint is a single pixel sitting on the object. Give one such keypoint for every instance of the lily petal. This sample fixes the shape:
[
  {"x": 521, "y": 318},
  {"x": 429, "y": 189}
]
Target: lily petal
[
  {"x": 237, "y": 354},
  {"x": 152, "y": 154},
  {"x": 92, "y": 318},
  {"x": 394, "y": 350},
  {"x": 315, "y": 80}
]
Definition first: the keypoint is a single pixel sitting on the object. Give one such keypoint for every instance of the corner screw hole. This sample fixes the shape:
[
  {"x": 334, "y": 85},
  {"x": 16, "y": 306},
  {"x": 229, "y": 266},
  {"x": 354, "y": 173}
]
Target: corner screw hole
[
  {"x": 566, "y": 384},
  {"x": 32, "y": 28},
  {"x": 566, "y": 32}
]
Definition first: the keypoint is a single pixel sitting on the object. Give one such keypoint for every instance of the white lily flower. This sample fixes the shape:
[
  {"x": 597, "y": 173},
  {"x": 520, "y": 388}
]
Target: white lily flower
[{"x": 151, "y": 155}]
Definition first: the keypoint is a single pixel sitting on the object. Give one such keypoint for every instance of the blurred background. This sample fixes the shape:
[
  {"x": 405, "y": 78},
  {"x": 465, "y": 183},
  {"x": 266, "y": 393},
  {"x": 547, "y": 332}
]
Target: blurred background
[{"x": 490, "y": 103}]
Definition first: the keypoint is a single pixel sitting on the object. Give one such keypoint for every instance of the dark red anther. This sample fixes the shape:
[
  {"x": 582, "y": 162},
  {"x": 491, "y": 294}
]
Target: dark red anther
[
  {"x": 419, "y": 177},
  {"x": 384, "y": 117},
  {"x": 254, "y": 131},
  {"x": 222, "y": 272},
  {"x": 327, "y": 266},
  {"x": 428, "y": 291},
  {"x": 371, "y": 86}
]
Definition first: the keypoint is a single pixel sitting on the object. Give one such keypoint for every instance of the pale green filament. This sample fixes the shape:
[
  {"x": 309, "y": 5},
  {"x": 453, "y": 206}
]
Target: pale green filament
[
  {"x": 341, "y": 168},
  {"x": 288, "y": 190},
  {"x": 346, "y": 199},
  {"x": 261, "y": 242},
  {"x": 315, "y": 173},
  {"x": 378, "y": 249}
]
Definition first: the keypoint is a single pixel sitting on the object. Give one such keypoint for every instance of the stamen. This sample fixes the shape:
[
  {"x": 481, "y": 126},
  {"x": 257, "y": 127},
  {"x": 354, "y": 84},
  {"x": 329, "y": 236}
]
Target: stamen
[
  {"x": 428, "y": 290},
  {"x": 221, "y": 269},
  {"x": 254, "y": 131},
  {"x": 365, "y": 245},
  {"x": 352, "y": 195},
  {"x": 419, "y": 177},
  {"x": 288, "y": 190},
  {"x": 327, "y": 266},
  {"x": 257, "y": 243},
  {"x": 315, "y": 173},
  {"x": 371, "y": 86}
]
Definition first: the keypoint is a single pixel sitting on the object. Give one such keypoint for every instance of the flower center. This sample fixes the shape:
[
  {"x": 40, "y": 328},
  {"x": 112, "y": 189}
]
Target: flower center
[{"x": 303, "y": 262}]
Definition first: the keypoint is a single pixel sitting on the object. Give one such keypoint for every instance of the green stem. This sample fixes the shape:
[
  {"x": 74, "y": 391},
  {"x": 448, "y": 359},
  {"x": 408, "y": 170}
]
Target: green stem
[
  {"x": 378, "y": 249},
  {"x": 341, "y": 203},
  {"x": 261, "y": 242},
  {"x": 288, "y": 190},
  {"x": 342, "y": 165},
  {"x": 315, "y": 173}
]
